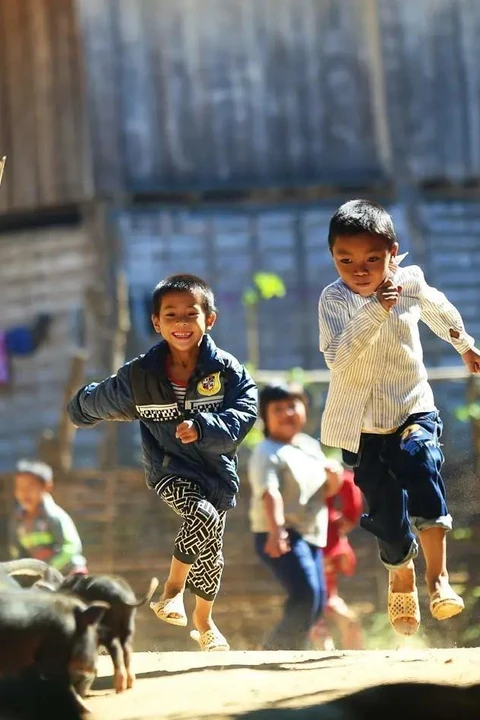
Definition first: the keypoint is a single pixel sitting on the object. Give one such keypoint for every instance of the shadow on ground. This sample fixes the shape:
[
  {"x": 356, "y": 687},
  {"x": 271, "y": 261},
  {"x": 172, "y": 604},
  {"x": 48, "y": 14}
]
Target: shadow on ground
[
  {"x": 106, "y": 681},
  {"x": 417, "y": 701}
]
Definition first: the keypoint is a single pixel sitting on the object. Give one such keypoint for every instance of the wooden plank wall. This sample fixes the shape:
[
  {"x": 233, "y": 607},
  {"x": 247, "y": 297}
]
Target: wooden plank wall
[
  {"x": 208, "y": 93},
  {"x": 42, "y": 124},
  {"x": 431, "y": 66},
  {"x": 202, "y": 94},
  {"x": 45, "y": 271}
]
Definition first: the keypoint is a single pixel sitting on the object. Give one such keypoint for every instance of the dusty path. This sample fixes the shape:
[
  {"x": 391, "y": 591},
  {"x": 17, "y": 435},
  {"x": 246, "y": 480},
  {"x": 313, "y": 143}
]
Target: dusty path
[{"x": 199, "y": 685}]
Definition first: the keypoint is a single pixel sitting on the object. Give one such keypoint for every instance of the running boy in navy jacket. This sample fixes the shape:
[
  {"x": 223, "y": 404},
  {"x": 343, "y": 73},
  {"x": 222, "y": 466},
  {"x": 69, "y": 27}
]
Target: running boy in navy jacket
[{"x": 195, "y": 404}]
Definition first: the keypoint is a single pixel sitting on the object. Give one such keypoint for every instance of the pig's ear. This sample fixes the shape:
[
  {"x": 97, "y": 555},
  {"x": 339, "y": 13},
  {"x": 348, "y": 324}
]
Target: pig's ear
[{"x": 91, "y": 615}]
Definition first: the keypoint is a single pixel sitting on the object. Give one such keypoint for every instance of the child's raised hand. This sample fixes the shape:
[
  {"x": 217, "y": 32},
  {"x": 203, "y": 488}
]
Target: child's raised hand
[
  {"x": 472, "y": 360},
  {"x": 388, "y": 294},
  {"x": 186, "y": 432}
]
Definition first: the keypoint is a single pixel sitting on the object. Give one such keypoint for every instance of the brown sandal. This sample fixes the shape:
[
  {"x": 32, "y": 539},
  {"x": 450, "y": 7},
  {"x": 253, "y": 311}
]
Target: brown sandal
[{"x": 402, "y": 608}]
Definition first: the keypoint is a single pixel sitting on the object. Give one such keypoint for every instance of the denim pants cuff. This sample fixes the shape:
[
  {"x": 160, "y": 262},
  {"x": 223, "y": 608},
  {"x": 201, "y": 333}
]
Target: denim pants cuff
[
  {"x": 411, "y": 555},
  {"x": 418, "y": 523}
]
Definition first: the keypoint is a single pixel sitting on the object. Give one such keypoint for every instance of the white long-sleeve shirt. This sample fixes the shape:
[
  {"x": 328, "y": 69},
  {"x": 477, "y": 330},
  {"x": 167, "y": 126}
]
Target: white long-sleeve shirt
[{"x": 376, "y": 357}]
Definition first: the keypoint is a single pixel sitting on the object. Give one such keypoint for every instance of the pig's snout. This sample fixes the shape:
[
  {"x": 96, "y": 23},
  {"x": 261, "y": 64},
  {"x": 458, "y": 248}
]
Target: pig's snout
[{"x": 81, "y": 677}]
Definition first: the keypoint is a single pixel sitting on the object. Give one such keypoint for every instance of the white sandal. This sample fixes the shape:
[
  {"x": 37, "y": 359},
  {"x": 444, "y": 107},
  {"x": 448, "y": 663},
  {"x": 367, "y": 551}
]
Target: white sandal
[
  {"x": 445, "y": 605},
  {"x": 210, "y": 640},
  {"x": 166, "y": 610}
]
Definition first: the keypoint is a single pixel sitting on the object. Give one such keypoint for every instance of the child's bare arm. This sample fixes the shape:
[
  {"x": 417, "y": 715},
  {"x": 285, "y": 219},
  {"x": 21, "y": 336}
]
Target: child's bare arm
[{"x": 343, "y": 338}]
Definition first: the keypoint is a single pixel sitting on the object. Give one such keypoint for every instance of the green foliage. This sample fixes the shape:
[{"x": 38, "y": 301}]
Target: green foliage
[
  {"x": 461, "y": 533},
  {"x": 379, "y": 635},
  {"x": 467, "y": 413},
  {"x": 297, "y": 375},
  {"x": 266, "y": 287},
  {"x": 254, "y": 437}
]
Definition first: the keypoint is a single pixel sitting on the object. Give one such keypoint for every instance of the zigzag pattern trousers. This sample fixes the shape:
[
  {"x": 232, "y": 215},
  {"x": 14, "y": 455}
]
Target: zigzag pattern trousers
[{"x": 199, "y": 541}]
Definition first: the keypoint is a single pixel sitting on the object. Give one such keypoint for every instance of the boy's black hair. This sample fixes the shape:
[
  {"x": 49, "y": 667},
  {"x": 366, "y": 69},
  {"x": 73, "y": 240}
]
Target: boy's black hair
[
  {"x": 361, "y": 217},
  {"x": 278, "y": 391},
  {"x": 184, "y": 283}
]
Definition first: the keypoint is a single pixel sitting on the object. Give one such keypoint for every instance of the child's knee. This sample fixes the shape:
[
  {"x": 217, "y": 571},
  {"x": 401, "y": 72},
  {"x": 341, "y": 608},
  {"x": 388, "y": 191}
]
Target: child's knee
[
  {"x": 421, "y": 524},
  {"x": 207, "y": 514}
]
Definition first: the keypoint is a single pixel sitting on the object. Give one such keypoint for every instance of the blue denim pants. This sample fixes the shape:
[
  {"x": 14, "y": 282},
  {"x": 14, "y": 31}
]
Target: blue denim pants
[
  {"x": 300, "y": 572},
  {"x": 400, "y": 477}
]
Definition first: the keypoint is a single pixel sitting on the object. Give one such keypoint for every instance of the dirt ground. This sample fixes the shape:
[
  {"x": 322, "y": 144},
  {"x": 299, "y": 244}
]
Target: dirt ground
[{"x": 180, "y": 685}]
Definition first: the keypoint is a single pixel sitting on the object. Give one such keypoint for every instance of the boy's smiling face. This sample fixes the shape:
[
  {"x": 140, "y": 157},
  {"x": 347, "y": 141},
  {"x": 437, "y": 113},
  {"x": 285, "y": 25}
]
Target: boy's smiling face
[
  {"x": 182, "y": 320},
  {"x": 363, "y": 261},
  {"x": 29, "y": 491}
]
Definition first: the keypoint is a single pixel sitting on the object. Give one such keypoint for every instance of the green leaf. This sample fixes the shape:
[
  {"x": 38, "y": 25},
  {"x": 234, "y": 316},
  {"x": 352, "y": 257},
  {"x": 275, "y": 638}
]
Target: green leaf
[
  {"x": 250, "y": 296},
  {"x": 296, "y": 375},
  {"x": 468, "y": 412},
  {"x": 254, "y": 437},
  {"x": 462, "y": 534},
  {"x": 269, "y": 285}
]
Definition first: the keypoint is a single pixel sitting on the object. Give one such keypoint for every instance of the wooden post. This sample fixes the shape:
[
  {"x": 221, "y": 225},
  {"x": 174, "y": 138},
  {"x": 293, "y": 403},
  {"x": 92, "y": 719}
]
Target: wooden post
[
  {"x": 473, "y": 396},
  {"x": 253, "y": 337},
  {"x": 107, "y": 302},
  {"x": 55, "y": 448},
  {"x": 65, "y": 429},
  {"x": 3, "y": 160}
]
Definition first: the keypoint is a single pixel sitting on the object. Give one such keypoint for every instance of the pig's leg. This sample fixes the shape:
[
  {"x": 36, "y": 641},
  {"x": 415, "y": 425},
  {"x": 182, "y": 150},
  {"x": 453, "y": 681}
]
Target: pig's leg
[
  {"x": 127, "y": 654},
  {"x": 115, "y": 650}
]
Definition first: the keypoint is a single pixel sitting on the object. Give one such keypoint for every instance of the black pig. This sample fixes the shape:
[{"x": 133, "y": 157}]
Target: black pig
[{"x": 117, "y": 627}]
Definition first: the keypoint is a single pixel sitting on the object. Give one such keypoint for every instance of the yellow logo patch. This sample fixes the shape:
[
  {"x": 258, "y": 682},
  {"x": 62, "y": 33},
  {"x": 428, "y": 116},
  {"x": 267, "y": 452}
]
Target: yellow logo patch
[
  {"x": 410, "y": 430},
  {"x": 209, "y": 385}
]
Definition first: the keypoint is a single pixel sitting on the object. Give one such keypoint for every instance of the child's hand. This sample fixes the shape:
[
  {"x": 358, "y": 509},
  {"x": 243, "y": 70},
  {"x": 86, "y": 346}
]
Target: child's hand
[
  {"x": 334, "y": 473},
  {"x": 186, "y": 432},
  {"x": 388, "y": 294},
  {"x": 277, "y": 544},
  {"x": 472, "y": 360}
]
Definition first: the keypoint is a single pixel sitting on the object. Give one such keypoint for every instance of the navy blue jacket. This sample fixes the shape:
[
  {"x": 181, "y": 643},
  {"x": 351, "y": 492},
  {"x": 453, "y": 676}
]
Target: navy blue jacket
[{"x": 221, "y": 398}]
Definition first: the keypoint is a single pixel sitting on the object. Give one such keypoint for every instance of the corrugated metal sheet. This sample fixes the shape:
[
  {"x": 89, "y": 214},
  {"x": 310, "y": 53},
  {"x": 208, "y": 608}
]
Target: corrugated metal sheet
[
  {"x": 226, "y": 247},
  {"x": 42, "y": 271},
  {"x": 451, "y": 235},
  {"x": 209, "y": 93}
]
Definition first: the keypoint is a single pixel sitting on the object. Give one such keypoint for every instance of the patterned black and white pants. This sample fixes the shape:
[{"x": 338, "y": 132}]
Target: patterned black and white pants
[{"x": 199, "y": 541}]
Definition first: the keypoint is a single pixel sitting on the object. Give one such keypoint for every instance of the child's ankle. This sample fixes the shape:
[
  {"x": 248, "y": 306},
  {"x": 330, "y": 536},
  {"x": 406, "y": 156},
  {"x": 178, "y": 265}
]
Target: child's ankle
[
  {"x": 171, "y": 589},
  {"x": 202, "y": 622},
  {"x": 437, "y": 581}
]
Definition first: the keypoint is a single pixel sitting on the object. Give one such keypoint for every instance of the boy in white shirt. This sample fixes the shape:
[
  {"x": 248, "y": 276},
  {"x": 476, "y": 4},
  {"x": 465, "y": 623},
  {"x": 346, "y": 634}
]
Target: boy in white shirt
[{"x": 380, "y": 408}]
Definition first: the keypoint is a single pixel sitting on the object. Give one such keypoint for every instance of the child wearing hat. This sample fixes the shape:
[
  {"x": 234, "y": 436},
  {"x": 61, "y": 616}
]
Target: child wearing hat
[{"x": 40, "y": 528}]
